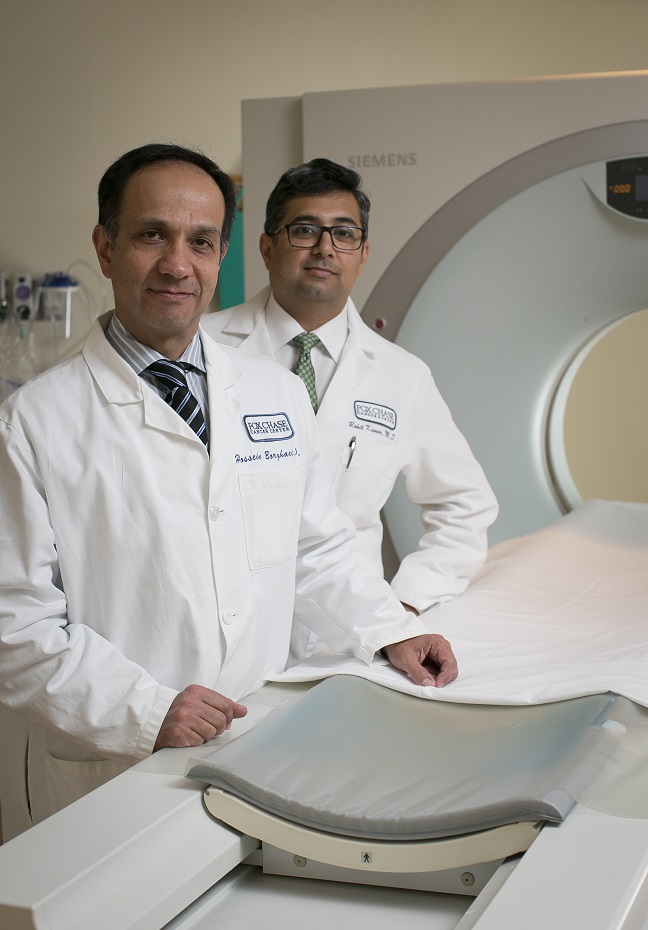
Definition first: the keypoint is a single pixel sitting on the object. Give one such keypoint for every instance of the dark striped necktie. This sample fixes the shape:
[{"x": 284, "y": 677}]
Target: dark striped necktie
[{"x": 172, "y": 377}]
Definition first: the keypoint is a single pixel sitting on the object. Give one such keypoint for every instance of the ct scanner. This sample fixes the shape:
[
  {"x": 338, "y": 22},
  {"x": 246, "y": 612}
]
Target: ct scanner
[
  {"x": 500, "y": 255},
  {"x": 500, "y": 251}
]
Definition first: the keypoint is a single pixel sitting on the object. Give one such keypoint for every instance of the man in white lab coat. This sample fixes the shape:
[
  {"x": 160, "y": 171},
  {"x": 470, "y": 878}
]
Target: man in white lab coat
[
  {"x": 163, "y": 509},
  {"x": 378, "y": 410}
]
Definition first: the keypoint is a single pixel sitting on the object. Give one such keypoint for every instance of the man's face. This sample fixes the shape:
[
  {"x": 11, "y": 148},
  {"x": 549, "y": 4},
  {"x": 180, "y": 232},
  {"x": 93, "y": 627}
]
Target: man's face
[
  {"x": 317, "y": 280},
  {"x": 165, "y": 261}
]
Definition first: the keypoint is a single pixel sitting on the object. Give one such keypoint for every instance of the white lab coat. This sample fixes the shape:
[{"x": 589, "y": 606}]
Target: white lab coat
[
  {"x": 386, "y": 398},
  {"x": 133, "y": 564}
]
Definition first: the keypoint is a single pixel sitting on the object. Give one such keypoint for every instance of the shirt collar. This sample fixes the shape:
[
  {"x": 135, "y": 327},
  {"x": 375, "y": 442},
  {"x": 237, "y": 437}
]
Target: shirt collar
[
  {"x": 282, "y": 327},
  {"x": 140, "y": 356}
]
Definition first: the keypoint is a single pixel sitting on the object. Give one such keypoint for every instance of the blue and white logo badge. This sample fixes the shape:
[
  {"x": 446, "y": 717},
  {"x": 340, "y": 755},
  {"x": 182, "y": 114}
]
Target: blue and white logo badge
[
  {"x": 375, "y": 413},
  {"x": 268, "y": 427}
]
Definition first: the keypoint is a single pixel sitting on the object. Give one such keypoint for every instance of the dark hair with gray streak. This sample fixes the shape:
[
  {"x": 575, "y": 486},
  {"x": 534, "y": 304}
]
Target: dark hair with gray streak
[
  {"x": 115, "y": 179},
  {"x": 319, "y": 176}
]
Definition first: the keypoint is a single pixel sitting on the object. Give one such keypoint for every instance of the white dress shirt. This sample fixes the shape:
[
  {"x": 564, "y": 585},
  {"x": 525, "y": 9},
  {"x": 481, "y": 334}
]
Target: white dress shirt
[{"x": 282, "y": 327}]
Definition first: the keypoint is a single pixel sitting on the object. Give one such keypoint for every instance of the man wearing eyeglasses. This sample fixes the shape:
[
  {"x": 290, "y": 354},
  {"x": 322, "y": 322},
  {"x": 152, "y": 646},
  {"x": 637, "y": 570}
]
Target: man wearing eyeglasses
[{"x": 378, "y": 409}]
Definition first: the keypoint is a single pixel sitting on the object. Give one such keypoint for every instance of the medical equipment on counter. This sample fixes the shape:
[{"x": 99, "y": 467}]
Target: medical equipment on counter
[
  {"x": 43, "y": 321},
  {"x": 4, "y": 302},
  {"x": 24, "y": 304},
  {"x": 56, "y": 291},
  {"x": 16, "y": 332}
]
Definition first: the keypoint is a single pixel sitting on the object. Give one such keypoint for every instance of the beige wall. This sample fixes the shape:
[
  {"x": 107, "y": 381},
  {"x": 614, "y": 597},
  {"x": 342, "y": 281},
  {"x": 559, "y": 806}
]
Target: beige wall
[{"x": 82, "y": 81}]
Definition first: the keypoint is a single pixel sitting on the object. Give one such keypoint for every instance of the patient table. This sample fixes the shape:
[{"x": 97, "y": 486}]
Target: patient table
[{"x": 509, "y": 802}]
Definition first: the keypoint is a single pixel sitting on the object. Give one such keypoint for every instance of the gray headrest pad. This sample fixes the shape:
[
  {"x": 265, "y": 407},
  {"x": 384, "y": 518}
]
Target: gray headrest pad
[{"x": 357, "y": 759}]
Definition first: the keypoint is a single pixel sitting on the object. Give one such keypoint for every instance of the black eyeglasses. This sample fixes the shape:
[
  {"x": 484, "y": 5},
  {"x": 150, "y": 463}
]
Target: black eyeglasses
[{"x": 308, "y": 235}]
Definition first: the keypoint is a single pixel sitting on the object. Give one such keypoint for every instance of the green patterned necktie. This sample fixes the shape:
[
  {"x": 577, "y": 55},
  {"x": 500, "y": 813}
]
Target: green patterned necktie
[{"x": 304, "y": 367}]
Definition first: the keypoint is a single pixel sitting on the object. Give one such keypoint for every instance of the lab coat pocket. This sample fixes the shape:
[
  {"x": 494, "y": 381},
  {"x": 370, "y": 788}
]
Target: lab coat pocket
[
  {"x": 69, "y": 781},
  {"x": 364, "y": 482},
  {"x": 271, "y": 514}
]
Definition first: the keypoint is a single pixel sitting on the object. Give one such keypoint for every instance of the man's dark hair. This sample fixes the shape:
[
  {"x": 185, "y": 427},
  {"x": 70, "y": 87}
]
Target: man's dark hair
[
  {"x": 319, "y": 176},
  {"x": 115, "y": 179}
]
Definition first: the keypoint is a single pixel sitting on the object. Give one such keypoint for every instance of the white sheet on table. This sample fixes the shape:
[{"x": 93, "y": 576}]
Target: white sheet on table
[{"x": 557, "y": 614}]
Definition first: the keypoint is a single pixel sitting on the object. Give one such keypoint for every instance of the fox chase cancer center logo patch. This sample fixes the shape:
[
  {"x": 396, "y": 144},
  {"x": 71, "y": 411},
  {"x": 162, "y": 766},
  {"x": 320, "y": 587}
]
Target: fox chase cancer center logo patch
[
  {"x": 268, "y": 427},
  {"x": 375, "y": 413}
]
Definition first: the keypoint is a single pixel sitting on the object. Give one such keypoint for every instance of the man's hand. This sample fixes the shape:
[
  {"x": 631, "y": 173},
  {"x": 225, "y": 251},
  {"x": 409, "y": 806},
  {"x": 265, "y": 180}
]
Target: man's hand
[
  {"x": 196, "y": 715},
  {"x": 428, "y": 660}
]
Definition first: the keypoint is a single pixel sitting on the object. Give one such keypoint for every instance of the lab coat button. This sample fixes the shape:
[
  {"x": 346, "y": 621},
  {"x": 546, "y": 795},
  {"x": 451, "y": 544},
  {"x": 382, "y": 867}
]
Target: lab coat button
[
  {"x": 214, "y": 513},
  {"x": 228, "y": 617}
]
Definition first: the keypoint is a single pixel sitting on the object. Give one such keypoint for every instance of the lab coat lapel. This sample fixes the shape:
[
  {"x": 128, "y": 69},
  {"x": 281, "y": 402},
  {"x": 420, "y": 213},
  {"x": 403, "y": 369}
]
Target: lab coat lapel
[
  {"x": 115, "y": 378},
  {"x": 121, "y": 385},
  {"x": 358, "y": 358},
  {"x": 249, "y": 324},
  {"x": 258, "y": 342},
  {"x": 224, "y": 405}
]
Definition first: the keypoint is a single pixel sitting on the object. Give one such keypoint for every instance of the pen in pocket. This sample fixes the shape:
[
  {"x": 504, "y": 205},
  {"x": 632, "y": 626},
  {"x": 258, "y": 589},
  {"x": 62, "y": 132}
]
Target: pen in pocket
[{"x": 352, "y": 445}]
